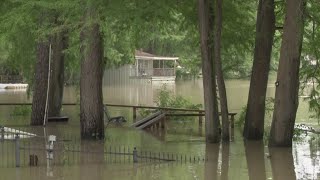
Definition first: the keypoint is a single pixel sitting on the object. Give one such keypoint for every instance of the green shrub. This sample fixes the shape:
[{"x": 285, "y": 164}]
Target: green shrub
[
  {"x": 165, "y": 98},
  {"x": 242, "y": 117},
  {"x": 22, "y": 110}
]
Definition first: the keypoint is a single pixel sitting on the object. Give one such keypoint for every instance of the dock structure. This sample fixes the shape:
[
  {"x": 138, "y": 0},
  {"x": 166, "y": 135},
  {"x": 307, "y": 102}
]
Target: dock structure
[
  {"x": 167, "y": 111},
  {"x": 7, "y": 133},
  {"x": 14, "y": 86},
  {"x": 155, "y": 119}
]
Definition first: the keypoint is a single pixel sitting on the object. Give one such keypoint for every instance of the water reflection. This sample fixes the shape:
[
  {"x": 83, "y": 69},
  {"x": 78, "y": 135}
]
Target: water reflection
[
  {"x": 92, "y": 154},
  {"x": 282, "y": 164},
  {"x": 306, "y": 153},
  {"x": 212, "y": 164},
  {"x": 255, "y": 160},
  {"x": 233, "y": 161},
  {"x": 225, "y": 161}
]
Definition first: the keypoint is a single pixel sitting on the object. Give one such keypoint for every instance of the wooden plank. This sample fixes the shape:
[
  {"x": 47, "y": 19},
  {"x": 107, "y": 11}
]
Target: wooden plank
[
  {"x": 152, "y": 121},
  {"x": 185, "y": 114},
  {"x": 194, "y": 114},
  {"x": 144, "y": 120},
  {"x": 153, "y": 107}
]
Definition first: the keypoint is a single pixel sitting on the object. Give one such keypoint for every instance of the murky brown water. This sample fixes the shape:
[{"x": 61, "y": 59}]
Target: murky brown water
[{"x": 238, "y": 160}]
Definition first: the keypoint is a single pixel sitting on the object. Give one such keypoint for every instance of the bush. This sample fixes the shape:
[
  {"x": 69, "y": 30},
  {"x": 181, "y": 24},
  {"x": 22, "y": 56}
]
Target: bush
[
  {"x": 22, "y": 110},
  {"x": 165, "y": 98}
]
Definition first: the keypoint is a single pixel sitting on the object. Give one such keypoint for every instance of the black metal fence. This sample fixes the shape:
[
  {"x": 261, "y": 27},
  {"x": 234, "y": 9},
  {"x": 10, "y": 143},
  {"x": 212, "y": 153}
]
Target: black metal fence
[{"x": 41, "y": 151}]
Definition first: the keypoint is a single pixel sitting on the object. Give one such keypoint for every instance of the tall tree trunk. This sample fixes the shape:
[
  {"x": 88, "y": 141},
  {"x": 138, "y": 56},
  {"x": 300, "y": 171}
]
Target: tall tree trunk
[
  {"x": 254, "y": 121},
  {"x": 91, "y": 98},
  {"x": 40, "y": 87},
  {"x": 287, "y": 85},
  {"x": 59, "y": 44},
  {"x": 208, "y": 71},
  {"x": 218, "y": 65}
]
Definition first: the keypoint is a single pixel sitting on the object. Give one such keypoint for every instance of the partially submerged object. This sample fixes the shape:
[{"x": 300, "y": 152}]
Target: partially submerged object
[
  {"x": 306, "y": 128},
  {"x": 14, "y": 86},
  {"x": 10, "y": 133},
  {"x": 58, "y": 119},
  {"x": 116, "y": 120}
]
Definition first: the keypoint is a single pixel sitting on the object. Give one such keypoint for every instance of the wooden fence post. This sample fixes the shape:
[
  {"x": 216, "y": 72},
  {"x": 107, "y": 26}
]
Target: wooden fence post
[
  {"x": 163, "y": 123},
  {"x": 135, "y": 155},
  {"x": 134, "y": 114},
  {"x": 17, "y": 150},
  {"x": 200, "y": 119},
  {"x": 232, "y": 127}
]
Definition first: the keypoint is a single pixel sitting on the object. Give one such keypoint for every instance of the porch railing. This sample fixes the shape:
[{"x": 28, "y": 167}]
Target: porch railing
[{"x": 157, "y": 72}]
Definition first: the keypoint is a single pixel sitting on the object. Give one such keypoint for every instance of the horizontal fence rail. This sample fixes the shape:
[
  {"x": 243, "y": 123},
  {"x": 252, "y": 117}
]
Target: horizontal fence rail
[{"x": 200, "y": 111}]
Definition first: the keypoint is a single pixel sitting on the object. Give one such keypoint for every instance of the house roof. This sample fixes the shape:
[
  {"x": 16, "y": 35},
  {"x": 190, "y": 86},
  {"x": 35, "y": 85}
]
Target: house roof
[
  {"x": 141, "y": 53},
  {"x": 147, "y": 56}
]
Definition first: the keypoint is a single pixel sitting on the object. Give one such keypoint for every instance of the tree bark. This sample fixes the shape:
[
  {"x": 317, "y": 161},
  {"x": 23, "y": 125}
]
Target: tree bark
[
  {"x": 208, "y": 72},
  {"x": 40, "y": 84},
  {"x": 287, "y": 85},
  {"x": 59, "y": 44},
  {"x": 218, "y": 65},
  {"x": 265, "y": 28},
  {"x": 91, "y": 98}
]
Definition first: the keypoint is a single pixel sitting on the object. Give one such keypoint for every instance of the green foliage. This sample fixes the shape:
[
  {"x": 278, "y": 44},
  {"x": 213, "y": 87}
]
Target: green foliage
[
  {"x": 297, "y": 134},
  {"x": 269, "y": 107},
  {"x": 168, "y": 28},
  {"x": 242, "y": 117},
  {"x": 310, "y": 71},
  {"x": 144, "y": 112},
  {"x": 167, "y": 99},
  {"x": 22, "y": 110},
  {"x": 238, "y": 26},
  {"x": 191, "y": 68}
]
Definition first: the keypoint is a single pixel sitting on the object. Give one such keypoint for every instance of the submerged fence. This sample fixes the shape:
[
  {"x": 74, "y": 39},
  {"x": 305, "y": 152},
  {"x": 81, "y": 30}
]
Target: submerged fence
[{"x": 40, "y": 151}]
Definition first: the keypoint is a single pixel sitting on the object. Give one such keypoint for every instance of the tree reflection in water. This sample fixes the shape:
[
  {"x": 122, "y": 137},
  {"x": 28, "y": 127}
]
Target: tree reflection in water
[
  {"x": 225, "y": 161},
  {"x": 211, "y": 165},
  {"x": 216, "y": 168},
  {"x": 306, "y": 154},
  {"x": 282, "y": 164},
  {"x": 255, "y": 159},
  {"x": 91, "y": 160}
]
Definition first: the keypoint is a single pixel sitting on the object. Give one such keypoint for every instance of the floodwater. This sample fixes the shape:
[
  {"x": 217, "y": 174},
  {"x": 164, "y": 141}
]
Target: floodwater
[{"x": 238, "y": 160}]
